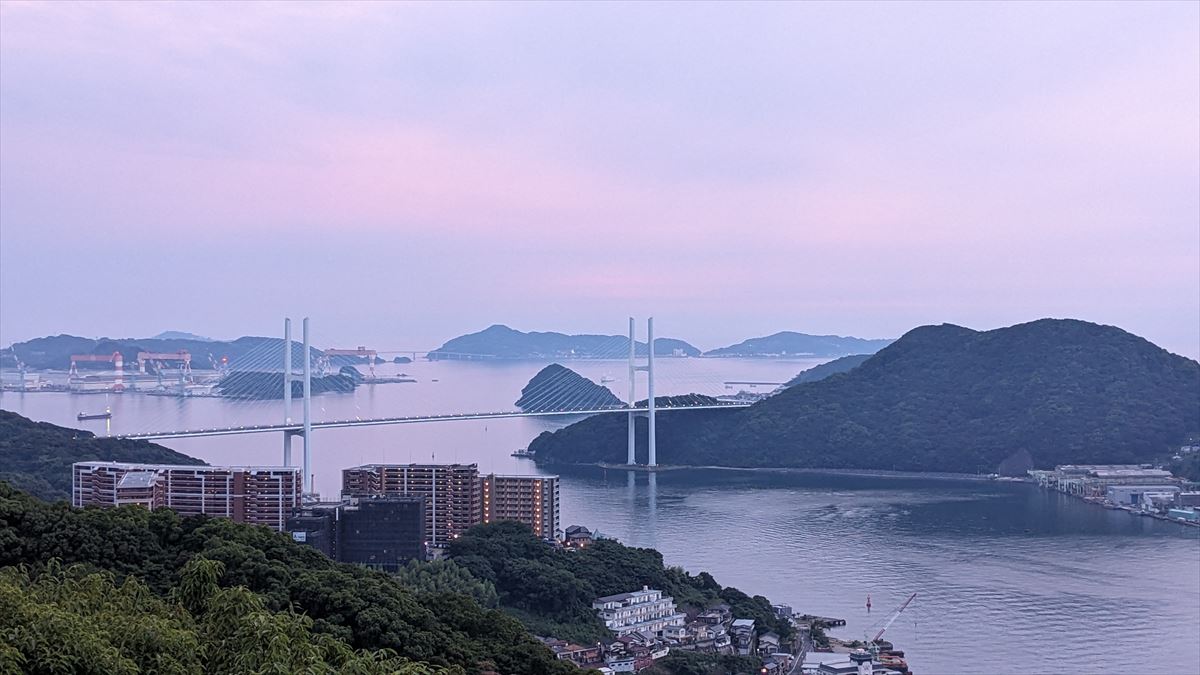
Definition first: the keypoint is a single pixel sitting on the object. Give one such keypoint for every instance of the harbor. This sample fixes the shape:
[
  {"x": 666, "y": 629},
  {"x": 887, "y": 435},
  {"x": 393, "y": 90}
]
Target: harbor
[{"x": 1138, "y": 489}]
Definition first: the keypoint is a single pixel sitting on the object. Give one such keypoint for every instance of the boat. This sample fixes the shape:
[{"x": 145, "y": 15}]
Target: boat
[
  {"x": 107, "y": 414},
  {"x": 523, "y": 452},
  {"x": 606, "y": 379}
]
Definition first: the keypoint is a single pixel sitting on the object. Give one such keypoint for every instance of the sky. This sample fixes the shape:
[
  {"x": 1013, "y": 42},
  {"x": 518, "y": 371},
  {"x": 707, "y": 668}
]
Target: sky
[{"x": 405, "y": 173}]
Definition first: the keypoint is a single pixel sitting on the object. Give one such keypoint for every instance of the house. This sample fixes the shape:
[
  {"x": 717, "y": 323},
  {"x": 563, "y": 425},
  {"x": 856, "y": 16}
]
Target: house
[
  {"x": 578, "y": 536},
  {"x": 743, "y": 637},
  {"x": 768, "y": 643}
]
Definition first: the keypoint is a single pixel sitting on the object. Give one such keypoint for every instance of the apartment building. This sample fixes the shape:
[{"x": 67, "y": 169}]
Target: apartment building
[
  {"x": 451, "y": 492},
  {"x": 259, "y": 495},
  {"x": 646, "y": 611},
  {"x": 532, "y": 500}
]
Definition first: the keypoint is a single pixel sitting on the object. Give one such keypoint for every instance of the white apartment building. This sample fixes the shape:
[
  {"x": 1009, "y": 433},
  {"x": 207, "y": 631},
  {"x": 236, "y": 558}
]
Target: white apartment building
[{"x": 646, "y": 611}]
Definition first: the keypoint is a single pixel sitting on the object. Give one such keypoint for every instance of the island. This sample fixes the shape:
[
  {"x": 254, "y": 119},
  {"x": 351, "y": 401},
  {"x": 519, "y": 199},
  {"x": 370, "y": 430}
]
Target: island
[
  {"x": 557, "y": 387},
  {"x": 941, "y": 399},
  {"x": 788, "y": 343},
  {"x": 501, "y": 342}
]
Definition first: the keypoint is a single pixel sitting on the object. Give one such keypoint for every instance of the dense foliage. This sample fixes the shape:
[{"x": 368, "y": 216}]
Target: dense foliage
[
  {"x": 818, "y": 373},
  {"x": 788, "y": 343},
  {"x": 557, "y": 387},
  {"x": 942, "y": 398},
  {"x": 36, "y": 456},
  {"x": 552, "y": 590},
  {"x": 363, "y": 608},
  {"x": 502, "y": 342},
  {"x": 71, "y": 621},
  {"x": 694, "y": 663}
]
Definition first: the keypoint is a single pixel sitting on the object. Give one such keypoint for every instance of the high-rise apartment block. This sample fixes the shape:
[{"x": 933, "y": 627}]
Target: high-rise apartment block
[
  {"x": 451, "y": 492},
  {"x": 260, "y": 495},
  {"x": 532, "y": 500},
  {"x": 457, "y": 497}
]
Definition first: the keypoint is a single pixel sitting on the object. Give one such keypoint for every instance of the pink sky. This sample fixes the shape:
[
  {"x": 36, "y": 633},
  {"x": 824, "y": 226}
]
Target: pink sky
[{"x": 407, "y": 172}]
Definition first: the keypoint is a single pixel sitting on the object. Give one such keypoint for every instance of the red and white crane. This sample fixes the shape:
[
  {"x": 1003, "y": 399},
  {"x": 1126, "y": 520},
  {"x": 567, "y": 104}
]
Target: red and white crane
[{"x": 115, "y": 358}]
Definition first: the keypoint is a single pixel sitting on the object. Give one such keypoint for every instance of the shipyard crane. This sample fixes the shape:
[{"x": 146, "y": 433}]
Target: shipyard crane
[
  {"x": 115, "y": 358},
  {"x": 368, "y": 354},
  {"x": 182, "y": 355}
]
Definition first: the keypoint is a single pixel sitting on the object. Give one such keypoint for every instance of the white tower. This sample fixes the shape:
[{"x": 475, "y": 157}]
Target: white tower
[
  {"x": 287, "y": 390},
  {"x": 631, "y": 458}
]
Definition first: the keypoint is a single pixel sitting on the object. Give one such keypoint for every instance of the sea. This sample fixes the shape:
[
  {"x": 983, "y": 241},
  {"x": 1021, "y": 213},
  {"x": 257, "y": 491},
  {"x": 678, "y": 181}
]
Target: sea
[{"x": 1008, "y": 578}]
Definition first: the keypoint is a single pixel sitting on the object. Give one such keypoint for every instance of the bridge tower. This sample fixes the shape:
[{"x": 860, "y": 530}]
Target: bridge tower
[
  {"x": 652, "y": 459},
  {"x": 306, "y": 430}
]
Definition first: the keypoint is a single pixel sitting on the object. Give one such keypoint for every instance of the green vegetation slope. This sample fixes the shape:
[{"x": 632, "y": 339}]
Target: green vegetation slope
[
  {"x": 552, "y": 590},
  {"x": 943, "y": 398},
  {"x": 364, "y": 609},
  {"x": 37, "y": 456}
]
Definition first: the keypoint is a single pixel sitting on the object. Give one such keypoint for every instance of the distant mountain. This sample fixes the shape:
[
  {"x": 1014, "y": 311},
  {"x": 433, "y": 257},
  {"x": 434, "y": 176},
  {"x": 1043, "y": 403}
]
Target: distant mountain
[
  {"x": 817, "y": 373},
  {"x": 249, "y": 352},
  {"x": 37, "y": 456},
  {"x": 557, "y": 387},
  {"x": 789, "y": 343},
  {"x": 942, "y": 398},
  {"x": 502, "y": 342},
  {"x": 180, "y": 335}
]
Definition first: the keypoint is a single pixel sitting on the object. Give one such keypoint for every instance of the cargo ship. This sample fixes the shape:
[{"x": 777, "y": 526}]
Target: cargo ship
[{"x": 107, "y": 414}]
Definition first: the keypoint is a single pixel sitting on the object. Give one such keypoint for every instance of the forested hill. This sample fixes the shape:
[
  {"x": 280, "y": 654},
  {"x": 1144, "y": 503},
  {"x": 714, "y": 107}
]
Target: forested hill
[
  {"x": 788, "y": 343},
  {"x": 945, "y": 398},
  {"x": 556, "y": 387},
  {"x": 293, "y": 609},
  {"x": 502, "y": 342},
  {"x": 817, "y": 373},
  {"x": 37, "y": 456}
]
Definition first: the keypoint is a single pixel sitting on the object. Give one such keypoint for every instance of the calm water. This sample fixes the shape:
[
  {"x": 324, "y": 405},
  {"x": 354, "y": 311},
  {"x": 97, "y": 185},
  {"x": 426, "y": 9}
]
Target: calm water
[{"x": 1009, "y": 579}]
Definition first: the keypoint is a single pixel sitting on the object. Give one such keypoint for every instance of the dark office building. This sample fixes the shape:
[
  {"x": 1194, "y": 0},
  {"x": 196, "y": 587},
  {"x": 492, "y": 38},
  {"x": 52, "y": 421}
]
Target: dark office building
[
  {"x": 382, "y": 532},
  {"x": 316, "y": 526}
]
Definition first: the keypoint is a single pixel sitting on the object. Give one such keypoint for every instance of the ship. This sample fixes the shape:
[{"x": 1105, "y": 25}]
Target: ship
[
  {"x": 107, "y": 414},
  {"x": 522, "y": 452}
]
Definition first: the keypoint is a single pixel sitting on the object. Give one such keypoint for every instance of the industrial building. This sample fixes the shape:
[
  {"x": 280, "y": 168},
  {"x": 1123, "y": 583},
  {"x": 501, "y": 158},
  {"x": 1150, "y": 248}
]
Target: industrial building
[
  {"x": 451, "y": 492},
  {"x": 259, "y": 495},
  {"x": 380, "y": 532},
  {"x": 532, "y": 500},
  {"x": 1093, "y": 480}
]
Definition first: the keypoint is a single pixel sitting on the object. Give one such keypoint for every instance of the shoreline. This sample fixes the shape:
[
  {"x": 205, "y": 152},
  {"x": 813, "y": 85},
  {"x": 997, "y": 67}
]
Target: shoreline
[{"x": 874, "y": 473}]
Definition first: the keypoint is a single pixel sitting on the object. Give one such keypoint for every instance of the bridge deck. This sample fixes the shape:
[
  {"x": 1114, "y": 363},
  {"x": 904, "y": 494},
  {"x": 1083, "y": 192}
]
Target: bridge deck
[{"x": 334, "y": 424}]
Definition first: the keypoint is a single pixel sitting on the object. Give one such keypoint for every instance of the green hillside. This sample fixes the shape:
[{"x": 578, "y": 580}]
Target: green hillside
[{"x": 943, "y": 398}]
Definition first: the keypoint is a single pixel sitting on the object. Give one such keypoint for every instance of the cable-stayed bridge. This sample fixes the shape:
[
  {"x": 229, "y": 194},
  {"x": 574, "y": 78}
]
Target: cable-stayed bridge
[
  {"x": 562, "y": 394},
  {"x": 298, "y": 428}
]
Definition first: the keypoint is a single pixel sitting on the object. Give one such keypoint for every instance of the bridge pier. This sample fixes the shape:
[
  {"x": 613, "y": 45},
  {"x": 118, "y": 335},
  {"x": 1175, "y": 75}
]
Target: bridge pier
[{"x": 307, "y": 486}]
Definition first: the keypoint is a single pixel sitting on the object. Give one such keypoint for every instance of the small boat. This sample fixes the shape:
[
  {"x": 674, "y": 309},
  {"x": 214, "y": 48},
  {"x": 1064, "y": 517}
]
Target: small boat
[
  {"x": 523, "y": 452},
  {"x": 606, "y": 379},
  {"x": 107, "y": 414}
]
